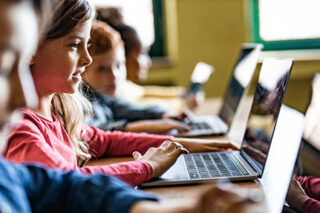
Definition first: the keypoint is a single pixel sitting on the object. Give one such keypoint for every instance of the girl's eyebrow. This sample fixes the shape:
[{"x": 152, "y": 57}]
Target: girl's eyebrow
[{"x": 76, "y": 37}]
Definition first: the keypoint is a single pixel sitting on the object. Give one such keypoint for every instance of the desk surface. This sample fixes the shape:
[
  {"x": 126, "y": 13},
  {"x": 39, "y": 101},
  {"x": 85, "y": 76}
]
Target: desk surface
[{"x": 188, "y": 193}]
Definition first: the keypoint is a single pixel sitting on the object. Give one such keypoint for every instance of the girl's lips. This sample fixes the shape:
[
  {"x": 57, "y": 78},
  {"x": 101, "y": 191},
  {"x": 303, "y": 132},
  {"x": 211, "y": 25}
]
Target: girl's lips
[
  {"x": 78, "y": 72},
  {"x": 77, "y": 75}
]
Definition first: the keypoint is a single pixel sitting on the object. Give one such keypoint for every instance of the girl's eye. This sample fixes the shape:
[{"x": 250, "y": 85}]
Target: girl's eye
[{"x": 104, "y": 69}]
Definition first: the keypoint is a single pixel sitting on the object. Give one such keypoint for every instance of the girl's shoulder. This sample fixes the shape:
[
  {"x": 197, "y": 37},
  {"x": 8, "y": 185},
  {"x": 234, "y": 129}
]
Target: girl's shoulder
[{"x": 33, "y": 120}]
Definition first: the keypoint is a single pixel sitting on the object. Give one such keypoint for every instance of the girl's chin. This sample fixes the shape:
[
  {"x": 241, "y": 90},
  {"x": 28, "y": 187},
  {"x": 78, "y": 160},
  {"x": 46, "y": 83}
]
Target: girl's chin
[{"x": 71, "y": 90}]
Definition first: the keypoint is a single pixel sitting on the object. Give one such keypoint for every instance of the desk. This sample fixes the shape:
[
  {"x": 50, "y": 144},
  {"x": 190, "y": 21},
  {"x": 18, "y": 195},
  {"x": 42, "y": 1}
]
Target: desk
[{"x": 187, "y": 194}]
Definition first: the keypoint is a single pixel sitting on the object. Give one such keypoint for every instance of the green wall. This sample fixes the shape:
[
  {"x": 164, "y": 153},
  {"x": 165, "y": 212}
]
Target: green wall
[{"x": 213, "y": 31}]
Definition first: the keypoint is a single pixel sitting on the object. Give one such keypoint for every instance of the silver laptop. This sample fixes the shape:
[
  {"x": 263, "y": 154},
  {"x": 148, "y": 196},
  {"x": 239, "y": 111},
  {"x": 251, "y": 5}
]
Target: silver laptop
[
  {"x": 281, "y": 159},
  {"x": 248, "y": 163},
  {"x": 239, "y": 82}
]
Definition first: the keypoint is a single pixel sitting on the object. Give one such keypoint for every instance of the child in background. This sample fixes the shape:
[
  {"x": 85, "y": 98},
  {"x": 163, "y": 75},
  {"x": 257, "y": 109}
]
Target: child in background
[
  {"x": 55, "y": 135},
  {"x": 30, "y": 188},
  {"x": 103, "y": 76},
  {"x": 138, "y": 64},
  {"x": 304, "y": 194}
]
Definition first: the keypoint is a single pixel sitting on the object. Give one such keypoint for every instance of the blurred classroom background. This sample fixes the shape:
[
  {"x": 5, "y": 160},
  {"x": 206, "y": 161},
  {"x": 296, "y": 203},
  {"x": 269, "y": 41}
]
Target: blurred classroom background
[{"x": 184, "y": 32}]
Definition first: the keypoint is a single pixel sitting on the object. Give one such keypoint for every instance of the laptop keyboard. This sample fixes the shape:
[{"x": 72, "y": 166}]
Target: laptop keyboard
[
  {"x": 202, "y": 125},
  {"x": 209, "y": 165}
]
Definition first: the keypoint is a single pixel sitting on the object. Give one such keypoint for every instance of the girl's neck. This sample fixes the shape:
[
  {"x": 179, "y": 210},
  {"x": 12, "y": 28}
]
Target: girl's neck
[{"x": 44, "y": 108}]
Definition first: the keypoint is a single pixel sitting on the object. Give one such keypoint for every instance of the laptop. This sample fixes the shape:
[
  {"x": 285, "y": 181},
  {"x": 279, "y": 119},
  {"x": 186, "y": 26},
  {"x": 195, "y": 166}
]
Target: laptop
[
  {"x": 199, "y": 77},
  {"x": 248, "y": 163},
  {"x": 282, "y": 157},
  {"x": 239, "y": 82}
]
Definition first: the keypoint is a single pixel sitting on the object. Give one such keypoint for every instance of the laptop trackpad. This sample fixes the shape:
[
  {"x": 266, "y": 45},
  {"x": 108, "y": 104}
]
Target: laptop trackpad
[{"x": 177, "y": 171}]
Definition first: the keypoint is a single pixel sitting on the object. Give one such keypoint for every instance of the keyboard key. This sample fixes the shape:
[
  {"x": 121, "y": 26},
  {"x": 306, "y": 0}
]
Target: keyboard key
[{"x": 193, "y": 176}]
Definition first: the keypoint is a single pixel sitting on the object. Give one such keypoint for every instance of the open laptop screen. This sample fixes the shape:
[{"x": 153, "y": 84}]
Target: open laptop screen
[
  {"x": 240, "y": 80},
  {"x": 265, "y": 109}
]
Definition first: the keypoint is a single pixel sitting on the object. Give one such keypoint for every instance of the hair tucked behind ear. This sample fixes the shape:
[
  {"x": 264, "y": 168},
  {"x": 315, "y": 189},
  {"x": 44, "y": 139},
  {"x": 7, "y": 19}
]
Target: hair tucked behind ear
[{"x": 71, "y": 108}]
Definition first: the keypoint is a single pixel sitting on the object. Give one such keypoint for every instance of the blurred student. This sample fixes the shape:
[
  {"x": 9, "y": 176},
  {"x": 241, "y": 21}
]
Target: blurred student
[
  {"x": 304, "y": 194},
  {"x": 30, "y": 188},
  {"x": 55, "y": 134},
  {"x": 138, "y": 64},
  {"x": 103, "y": 76}
]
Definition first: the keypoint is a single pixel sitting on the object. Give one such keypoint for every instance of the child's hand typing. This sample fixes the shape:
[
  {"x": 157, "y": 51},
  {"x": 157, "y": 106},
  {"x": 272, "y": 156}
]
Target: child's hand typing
[
  {"x": 161, "y": 158},
  {"x": 161, "y": 126}
]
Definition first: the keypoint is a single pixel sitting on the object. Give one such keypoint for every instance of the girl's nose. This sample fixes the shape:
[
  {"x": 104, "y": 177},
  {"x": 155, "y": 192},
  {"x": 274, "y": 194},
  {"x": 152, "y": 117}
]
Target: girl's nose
[{"x": 86, "y": 59}]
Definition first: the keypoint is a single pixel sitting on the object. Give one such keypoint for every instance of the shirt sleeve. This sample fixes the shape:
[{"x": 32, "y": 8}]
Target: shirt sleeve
[
  {"x": 103, "y": 117},
  {"x": 56, "y": 191},
  {"x": 133, "y": 172},
  {"x": 26, "y": 145},
  {"x": 113, "y": 125},
  {"x": 311, "y": 186},
  {"x": 133, "y": 112},
  {"x": 311, "y": 206},
  {"x": 105, "y": 143}
]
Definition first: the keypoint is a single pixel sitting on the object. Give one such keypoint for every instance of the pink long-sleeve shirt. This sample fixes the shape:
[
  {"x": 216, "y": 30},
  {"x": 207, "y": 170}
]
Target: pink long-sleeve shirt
[
  {"x": 311, "y": 186},
  {"x": 39, "y": 140}
]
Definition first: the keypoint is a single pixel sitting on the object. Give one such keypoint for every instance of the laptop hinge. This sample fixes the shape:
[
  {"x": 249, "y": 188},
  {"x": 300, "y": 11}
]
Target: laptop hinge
[{"x": 254, "y": 166}]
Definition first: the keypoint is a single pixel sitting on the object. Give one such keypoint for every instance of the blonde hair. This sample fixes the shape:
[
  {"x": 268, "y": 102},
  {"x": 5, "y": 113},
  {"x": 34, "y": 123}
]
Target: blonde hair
[{"x": 72, "y": 109}]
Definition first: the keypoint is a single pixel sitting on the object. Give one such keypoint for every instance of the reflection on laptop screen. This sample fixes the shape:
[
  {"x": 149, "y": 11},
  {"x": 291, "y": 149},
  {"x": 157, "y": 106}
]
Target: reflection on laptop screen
[
  {"x": 265, "y": 109},
  {"x": 240, "y": 80}
]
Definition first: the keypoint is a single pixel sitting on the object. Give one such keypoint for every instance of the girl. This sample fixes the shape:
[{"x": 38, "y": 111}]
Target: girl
[
  {"x": 103, "y": 76},
  {"x": 55, "y": 134},
  {"x": 30, "y": 188}
]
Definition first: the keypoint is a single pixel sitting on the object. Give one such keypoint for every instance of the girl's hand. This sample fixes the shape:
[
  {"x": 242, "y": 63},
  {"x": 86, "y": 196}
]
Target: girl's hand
[
  {"x": 205, "y": 145},
  {"x": 296, "y": 196},
  {"x": 161, "y": 158},
  {"x": 161, "y": 126},
  {"x": 186, "y": 114}
]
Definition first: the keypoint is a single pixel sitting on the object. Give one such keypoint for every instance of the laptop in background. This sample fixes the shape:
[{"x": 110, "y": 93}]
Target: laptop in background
[
  {"x": 199, "y": 77},
  {"x": 248, "y": 163},
  {"x": 236, "y": 91}
]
